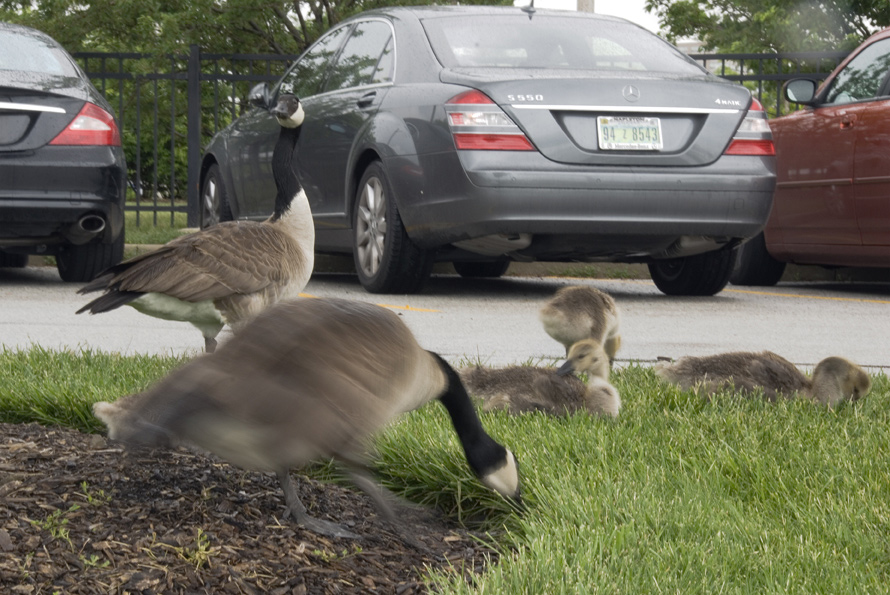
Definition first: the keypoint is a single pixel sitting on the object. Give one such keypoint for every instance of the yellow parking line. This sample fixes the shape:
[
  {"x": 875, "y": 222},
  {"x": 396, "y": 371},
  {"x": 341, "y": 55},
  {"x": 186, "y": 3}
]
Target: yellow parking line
[
  {"x": 809, "y": 297},
  {"x": 391, "y": 307},
  {"x": 407, "y": 307}
]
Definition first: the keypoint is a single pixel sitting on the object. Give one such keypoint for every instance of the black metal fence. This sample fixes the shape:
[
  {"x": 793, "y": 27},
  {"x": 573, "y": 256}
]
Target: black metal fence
[
  {"x": 764, "y": 74},
  {"x": 169, "y": 108}
]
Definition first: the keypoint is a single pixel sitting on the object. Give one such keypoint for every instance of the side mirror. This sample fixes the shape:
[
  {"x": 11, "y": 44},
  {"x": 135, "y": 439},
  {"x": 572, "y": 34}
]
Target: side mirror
[
  {"x": 259, "y": 96},
  {"x": 801, "y": 91}
]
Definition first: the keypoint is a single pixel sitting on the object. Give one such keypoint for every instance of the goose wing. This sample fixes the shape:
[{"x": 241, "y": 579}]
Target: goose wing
[{"x": 235, "y": 257}]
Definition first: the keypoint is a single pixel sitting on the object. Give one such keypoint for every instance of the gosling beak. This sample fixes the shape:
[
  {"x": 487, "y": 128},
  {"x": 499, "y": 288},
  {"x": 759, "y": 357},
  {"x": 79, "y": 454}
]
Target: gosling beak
[{"x": 565, "y": 369}]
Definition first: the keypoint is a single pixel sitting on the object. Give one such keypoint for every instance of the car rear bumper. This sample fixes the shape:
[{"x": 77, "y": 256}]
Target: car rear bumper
[
  {"x": 46, "y": 221},
  {"x": 61, "y": 195},
  {"x": 580, "y": 212}
]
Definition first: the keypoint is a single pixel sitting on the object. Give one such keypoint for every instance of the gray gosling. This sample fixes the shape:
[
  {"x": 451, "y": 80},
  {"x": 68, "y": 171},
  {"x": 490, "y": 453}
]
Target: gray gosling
[
  {"x": 522, "y": 389},
  {"x": 230, "y": 272},
  {"x": 580, "y": 312},
  {"x": 834, "y": 379},
  {"x": 307, "y": 379}
]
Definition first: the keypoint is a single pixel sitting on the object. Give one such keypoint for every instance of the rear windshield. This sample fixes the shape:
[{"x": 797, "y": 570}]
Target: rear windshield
[
  {"x": 22, "y": 52},
  {"x": 547, "y": 41}
]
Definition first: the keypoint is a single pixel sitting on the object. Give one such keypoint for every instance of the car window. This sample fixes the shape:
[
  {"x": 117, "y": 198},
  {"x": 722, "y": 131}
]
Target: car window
[
  {"x": 511, "y": 41},
  {"x": 33, "y": 54},
  {"x": 367, "y": 57},
  {"x": 863, "y": 77},
  {"x": 307, "y": 75}
]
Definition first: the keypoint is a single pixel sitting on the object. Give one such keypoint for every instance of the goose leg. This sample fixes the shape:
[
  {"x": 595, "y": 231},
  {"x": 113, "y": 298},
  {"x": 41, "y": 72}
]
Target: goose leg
[
  {"x": 611, "y": 347},
  {"x": 296, "y": 509},
  {"x": 209, "y": 344},
  {"x": 383, "y": 500}
]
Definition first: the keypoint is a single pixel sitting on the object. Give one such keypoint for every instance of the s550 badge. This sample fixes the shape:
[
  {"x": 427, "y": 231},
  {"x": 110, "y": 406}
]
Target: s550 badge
[{"x": 525, "y": 98}]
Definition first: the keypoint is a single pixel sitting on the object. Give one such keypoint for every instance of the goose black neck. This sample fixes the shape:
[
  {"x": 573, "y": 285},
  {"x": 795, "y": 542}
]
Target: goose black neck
[
  {"x": 482, "y": 452},
  {"x": 287, "y": 184}
]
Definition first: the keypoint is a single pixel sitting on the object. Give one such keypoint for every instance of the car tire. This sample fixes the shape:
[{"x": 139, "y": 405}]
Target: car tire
[
  {"x": 386, "y": 259},
  {"x": 699, "y": 275},
  {"x": 13, "y": 261},
  {"x": 754, "y": 265},
  {"x": 214, "y": 198},
  {"x": 80, "y": 264},
  {"x": 479, "y": 270}
]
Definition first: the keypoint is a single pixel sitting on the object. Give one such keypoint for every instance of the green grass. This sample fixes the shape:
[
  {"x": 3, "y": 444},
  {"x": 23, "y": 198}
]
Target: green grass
[
  {"x": 603, "y": 271},
  {"x": 678, "y": 495},
  {"x": 60, "y": 387},
  {"x": 151, "y": 231}
]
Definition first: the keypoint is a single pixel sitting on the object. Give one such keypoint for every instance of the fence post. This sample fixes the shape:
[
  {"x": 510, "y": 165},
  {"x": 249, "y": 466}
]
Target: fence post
[{"x": 193, "y": 138}]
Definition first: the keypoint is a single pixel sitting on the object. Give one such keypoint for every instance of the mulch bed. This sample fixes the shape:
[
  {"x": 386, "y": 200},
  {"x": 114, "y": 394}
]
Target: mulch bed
[{"x": 80, "y": 515}]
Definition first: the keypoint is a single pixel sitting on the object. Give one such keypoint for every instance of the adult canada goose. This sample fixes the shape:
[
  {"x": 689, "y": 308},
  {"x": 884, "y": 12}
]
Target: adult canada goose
[
  {"x": 834, "y": 378},
  {"x": 307, "y": 379},
  {"x": 228, "y": 273},
  {"x": 521, "y": 389},
  {"x": 579, "y": 312}
]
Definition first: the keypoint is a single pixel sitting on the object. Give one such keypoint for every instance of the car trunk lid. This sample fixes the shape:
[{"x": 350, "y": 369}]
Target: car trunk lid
[
  {"x": 31, "y": 119},
  {"x": 620, "y": 119}
]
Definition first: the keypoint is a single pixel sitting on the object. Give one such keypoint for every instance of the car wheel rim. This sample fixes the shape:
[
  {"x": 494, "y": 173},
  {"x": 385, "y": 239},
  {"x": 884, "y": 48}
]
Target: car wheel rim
[
  {"x": 371, "y": 227},
  {"x": 671, "y": 269},
  {"x": 211, "y": 200}
]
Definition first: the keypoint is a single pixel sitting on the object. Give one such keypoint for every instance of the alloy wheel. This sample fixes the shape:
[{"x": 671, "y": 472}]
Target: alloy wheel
[
  {"x": 210, "y": 202},
  {"x": 371, "y": 226}
]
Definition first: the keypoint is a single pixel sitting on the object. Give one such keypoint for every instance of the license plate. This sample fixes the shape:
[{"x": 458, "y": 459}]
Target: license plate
[{"x": 628, "y": 133}]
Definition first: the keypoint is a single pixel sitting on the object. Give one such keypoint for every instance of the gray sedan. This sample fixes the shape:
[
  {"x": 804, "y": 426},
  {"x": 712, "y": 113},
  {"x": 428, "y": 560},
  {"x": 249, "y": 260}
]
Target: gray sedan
[{"x": 485, "y": 135}]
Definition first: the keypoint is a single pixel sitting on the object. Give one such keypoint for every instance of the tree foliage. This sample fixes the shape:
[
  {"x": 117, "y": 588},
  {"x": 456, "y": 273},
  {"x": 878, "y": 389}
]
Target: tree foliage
[
  {"x": 772, "y": 25},
  {"x": 149, "y": 100},
  {"x": 170, "y": 26}
]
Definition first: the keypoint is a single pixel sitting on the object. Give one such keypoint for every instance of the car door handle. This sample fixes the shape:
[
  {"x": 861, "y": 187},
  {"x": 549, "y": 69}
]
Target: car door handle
[
  {"x": 367, "y": 99},
  {"x": 847, "y": 121}
]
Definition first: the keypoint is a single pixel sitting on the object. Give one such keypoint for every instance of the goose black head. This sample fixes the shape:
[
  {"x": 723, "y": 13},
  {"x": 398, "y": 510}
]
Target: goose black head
[{"x": 288, "y": 111}]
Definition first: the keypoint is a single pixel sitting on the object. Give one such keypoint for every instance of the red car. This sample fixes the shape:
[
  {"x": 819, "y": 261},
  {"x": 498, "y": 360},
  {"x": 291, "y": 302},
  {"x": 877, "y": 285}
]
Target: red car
[{"x": 832, "y": 200}]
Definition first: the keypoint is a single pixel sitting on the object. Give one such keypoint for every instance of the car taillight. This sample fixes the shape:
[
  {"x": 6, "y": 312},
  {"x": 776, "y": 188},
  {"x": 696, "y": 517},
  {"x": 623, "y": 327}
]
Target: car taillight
[
  {"x": 478, "y": 124},
  {"x": 753, "y": 136},
  {"x": 92, "y": 126}
]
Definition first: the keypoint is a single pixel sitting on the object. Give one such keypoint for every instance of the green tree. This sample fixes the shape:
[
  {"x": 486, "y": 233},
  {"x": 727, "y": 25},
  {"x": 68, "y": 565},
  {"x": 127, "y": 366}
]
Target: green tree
[
  {"x": 170, "y": 26},
  {"x": 149, "y": 103},
  {"x": 772, "y": 25}
]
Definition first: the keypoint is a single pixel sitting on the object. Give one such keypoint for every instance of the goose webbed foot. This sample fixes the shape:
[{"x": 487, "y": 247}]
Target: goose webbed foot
[{"x": 296, "y": 509}]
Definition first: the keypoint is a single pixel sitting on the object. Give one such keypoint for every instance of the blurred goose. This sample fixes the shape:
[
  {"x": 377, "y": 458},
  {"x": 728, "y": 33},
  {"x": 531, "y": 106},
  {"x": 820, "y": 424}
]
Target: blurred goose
[
  {"x": 834, "y": 378},
  {"x": 580, "y": 312},
  {"x": 228, "y": 273},
  {"x": 521, "y": 389},
  {"x": 307, "y": 379}
]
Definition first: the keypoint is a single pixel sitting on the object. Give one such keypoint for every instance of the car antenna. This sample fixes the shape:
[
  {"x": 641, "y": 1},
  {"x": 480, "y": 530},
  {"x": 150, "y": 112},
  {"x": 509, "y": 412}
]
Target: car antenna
[{"x": 530, "y": 9}]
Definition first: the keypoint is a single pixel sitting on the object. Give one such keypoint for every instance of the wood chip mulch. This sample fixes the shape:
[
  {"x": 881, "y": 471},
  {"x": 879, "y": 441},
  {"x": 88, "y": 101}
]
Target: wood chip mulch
[{"x": 80, "y": 515}]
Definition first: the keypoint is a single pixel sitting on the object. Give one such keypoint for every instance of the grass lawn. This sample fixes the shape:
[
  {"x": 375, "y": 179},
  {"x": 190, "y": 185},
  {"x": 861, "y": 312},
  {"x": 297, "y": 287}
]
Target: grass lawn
[
  {"x": 150, "y": 231},
  {"x": 678, "y": 495}
]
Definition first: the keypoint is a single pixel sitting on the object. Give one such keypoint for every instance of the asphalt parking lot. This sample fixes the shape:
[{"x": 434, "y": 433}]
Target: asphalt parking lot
[{"x": 495, "y": 321}]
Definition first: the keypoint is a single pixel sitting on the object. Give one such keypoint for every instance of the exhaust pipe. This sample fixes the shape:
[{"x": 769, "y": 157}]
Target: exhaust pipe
[{"x": 86, "y": 228}]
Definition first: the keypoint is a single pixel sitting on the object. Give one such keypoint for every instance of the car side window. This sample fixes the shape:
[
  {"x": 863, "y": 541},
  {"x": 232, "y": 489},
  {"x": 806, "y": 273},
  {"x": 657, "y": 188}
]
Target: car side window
[
  {"x": 367, "y": 57},
  {"x": 863, "y": 77},
  {"x": 307, "y": 75}
]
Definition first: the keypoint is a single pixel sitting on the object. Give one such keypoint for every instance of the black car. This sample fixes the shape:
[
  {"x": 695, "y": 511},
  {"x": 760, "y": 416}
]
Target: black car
[
  {"x": 486, "y": 135},
  {"x": 62, "y": 168}
]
